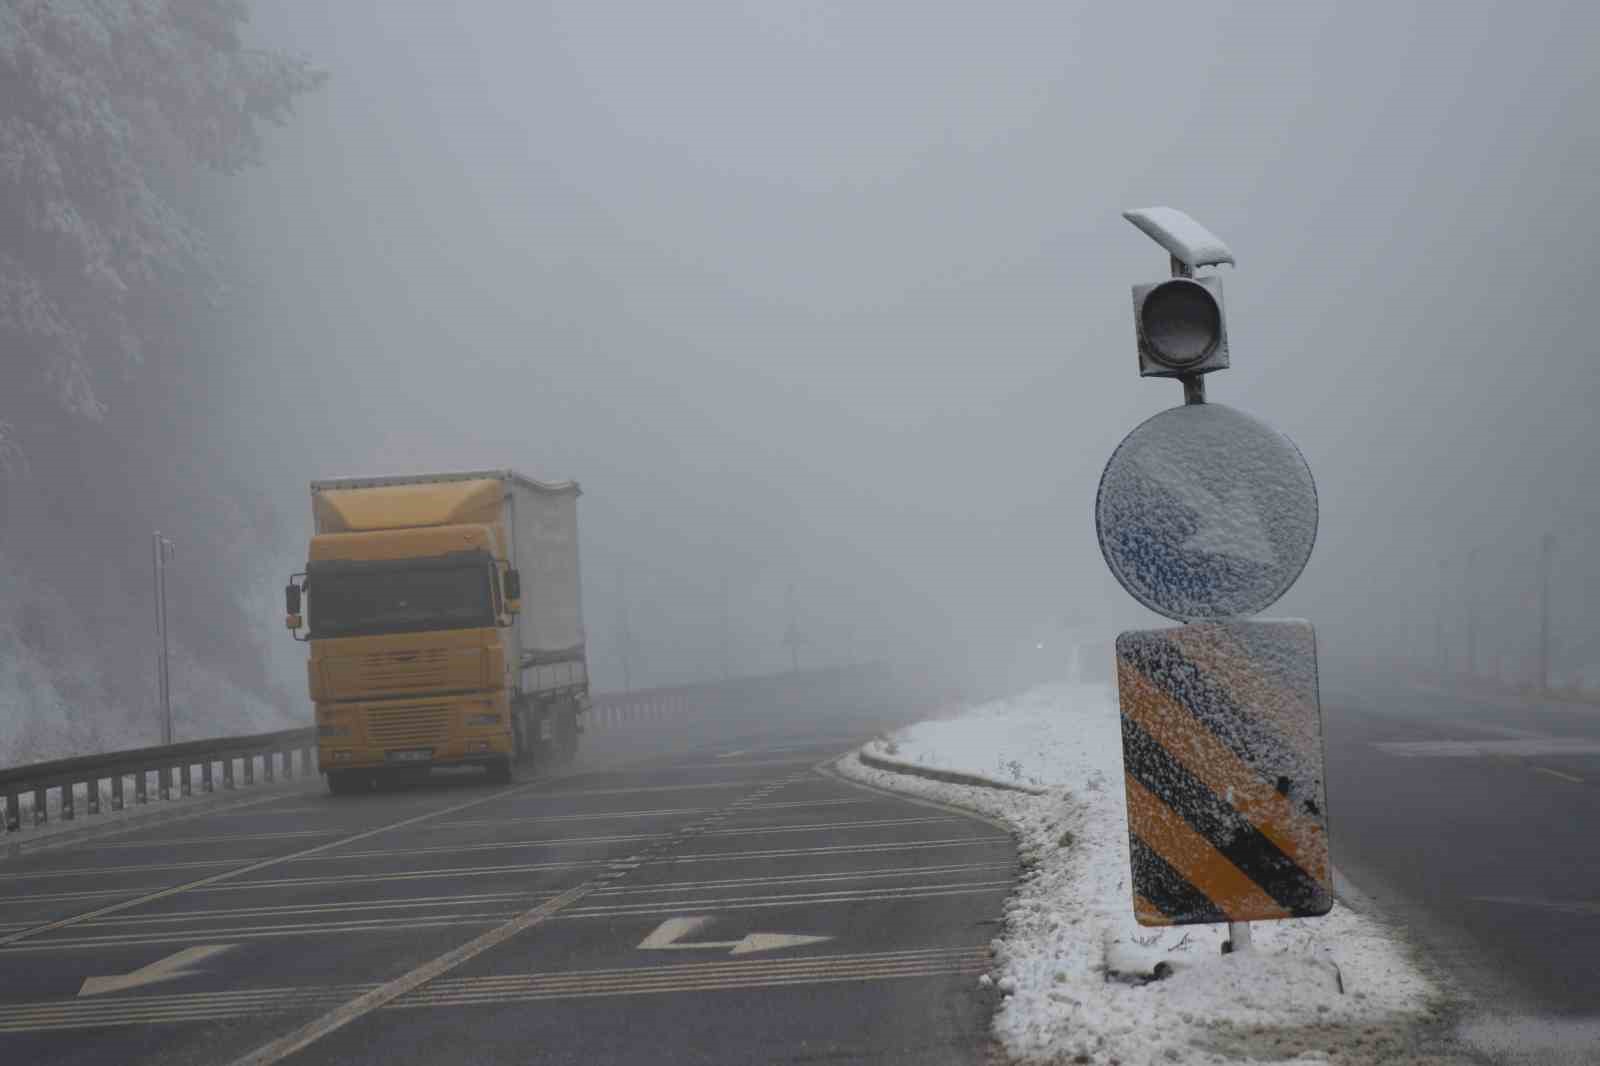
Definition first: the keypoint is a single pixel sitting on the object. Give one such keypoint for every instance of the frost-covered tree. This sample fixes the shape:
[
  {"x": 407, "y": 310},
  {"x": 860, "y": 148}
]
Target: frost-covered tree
[{"x": 107, "y": 108}]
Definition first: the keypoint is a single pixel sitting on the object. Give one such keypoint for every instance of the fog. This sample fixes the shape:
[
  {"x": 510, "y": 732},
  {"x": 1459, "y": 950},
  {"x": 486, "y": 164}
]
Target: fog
[{"x": 836, "y": 297}]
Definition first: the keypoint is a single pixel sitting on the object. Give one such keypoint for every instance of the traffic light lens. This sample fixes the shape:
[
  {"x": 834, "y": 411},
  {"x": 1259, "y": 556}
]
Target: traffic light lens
[{"x": 1181, "y": 322}]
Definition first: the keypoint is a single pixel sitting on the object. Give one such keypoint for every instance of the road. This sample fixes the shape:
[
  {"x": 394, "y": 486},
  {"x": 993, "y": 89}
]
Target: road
[
  {"x": 1476, "y": 821},
  {"x": 691, "y": 892}
]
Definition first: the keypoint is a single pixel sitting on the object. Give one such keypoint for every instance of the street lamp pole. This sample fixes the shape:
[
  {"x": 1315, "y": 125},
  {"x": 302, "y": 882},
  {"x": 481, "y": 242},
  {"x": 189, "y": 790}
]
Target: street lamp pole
[
  {"x": 161, "y": 550},
  {"x": 1547, "y": 546},
  {"x": 1472, "y": 613}
]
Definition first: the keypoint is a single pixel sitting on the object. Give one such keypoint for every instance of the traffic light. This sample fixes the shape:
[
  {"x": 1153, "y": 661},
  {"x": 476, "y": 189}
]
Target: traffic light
[
  {"x": 1182, "y": 330},
  {"x": 1181, "y": 326}
]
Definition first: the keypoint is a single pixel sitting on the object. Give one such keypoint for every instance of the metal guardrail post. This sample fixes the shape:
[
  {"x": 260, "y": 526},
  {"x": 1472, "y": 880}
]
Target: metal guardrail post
[
  {"x": 266, "y": 766},
  {"x": 116, "y": 793},
  {"x": 227, "y": 774},
  {"x": 68, "y": 799},
  {"x": 288, "y": 764},
  {"x": 249, "y": 769},
  {"x": 92, "y": 794},
  {"x": 141, "y": 787},
  {"x": 40, "y": 813},
  {"x": 13, "y": 812},
  {"x": 185, "y": 780},
  {"x": 164, "y": 780},
  {"x": 205, "y": 777}
]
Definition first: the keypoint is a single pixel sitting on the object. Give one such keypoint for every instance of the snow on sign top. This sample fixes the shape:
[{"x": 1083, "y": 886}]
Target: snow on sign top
[
  {"x": 1206, "y": 512},
  {"x": 1185, "y": 239}
]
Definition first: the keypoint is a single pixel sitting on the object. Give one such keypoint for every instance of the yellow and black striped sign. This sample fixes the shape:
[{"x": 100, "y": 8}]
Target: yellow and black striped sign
[{"x": 1222, "y": 753}]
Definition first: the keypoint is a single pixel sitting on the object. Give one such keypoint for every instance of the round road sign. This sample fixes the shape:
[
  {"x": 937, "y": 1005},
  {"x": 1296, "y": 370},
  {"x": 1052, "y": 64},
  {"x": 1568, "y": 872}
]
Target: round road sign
[{"x": 1206, "y": 512}]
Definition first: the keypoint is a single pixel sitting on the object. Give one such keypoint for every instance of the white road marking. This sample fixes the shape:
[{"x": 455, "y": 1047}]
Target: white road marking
[
  {"x": 151, "y": 897},
  {"x": 1557, "y": 773},
  {"x": 1525, "y": 747},
  {"x": 193, "y": 1007},
  {"x": 668, "y": 936},
  {"x": 170, "y": 968},
  {"x": 1564, "y": 906},
  {"x": 234, "y": 838}
]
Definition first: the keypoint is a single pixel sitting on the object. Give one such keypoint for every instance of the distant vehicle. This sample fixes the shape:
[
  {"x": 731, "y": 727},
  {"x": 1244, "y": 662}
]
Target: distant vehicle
[{"x": 423, "y": 651}]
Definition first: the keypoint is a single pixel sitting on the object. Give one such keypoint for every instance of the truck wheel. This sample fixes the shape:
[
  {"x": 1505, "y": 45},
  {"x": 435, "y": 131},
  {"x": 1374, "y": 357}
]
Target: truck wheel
[
  {"x": 566, "y": 740},
  {"x": 499, "y": 771}
]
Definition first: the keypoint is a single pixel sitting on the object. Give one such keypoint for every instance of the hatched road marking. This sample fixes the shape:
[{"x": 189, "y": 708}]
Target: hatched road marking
[{"x": 500, "y": 988}]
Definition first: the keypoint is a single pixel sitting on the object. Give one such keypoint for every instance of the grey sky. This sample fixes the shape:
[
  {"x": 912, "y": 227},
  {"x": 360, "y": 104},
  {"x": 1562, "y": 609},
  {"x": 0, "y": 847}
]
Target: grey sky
[{"x": 838, "y": 294}]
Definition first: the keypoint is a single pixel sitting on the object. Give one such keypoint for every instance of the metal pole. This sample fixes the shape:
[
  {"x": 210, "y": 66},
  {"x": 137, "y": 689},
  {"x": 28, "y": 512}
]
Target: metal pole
[
  {"x": 1472, "y": 613},
  {"x": 624, "y": 634},
  {"x": 1238, "y": 937},
  {"x": 1547, "y": 546},
  {"x": 1439, "y": 662},
  {"x": 725, "y": 627},
  {"x": 793, "y": 635},
  {"x": 160, "y": 546}
]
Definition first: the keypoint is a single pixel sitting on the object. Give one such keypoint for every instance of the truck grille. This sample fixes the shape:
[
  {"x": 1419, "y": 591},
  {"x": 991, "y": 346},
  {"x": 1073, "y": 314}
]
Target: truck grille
[
  {"x": 404, "y": 671},
  {"x": 408, "y": 727}
]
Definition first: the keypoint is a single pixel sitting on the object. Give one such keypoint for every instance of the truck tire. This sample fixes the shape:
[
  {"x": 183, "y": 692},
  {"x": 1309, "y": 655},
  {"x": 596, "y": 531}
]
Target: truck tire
[
  {"x": 498, "y": 772},
  {"x": 566, "y": 727}
]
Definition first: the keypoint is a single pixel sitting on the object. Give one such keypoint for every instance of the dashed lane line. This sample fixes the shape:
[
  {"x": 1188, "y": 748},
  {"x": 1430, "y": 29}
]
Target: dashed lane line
[{"x": 501, "y": 988}]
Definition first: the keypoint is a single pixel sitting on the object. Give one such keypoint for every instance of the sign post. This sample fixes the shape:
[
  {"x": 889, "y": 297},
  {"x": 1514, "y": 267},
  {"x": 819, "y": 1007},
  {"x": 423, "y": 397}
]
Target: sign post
[{"x": 1207, "y": 515}]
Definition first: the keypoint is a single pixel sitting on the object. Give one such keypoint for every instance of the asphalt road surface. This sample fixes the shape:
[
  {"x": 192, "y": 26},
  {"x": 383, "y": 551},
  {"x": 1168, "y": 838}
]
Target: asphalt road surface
[
  {"x": 1475, "y": 819},
  {"x": 692, "y": 892}
]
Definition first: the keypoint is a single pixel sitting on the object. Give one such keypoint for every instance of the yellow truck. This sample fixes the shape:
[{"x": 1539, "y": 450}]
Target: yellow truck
[{"x": 445, "y": 624}]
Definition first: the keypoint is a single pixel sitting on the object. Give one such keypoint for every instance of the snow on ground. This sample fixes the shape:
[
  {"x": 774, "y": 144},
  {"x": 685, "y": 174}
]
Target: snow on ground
[{"x": 1071, "y": 918}]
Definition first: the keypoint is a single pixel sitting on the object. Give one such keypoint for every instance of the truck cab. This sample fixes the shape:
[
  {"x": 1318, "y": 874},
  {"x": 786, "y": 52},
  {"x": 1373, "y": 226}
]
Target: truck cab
[{"x": 419, "y": 652}]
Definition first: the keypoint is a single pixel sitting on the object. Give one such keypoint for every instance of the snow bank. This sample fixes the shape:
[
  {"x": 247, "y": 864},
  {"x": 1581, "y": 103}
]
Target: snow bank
[{"x": 1073, "y": 966}]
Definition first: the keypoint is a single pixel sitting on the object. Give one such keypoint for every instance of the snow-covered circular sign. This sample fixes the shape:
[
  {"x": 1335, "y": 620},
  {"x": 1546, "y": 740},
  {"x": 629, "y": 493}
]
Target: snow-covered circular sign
[{"x": 1206, "y": 512}]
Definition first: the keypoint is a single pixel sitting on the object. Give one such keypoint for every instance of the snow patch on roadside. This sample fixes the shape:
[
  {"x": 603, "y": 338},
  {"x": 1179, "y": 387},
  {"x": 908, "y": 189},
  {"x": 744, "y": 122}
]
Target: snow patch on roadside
[{"x": 1071, "y": 918}]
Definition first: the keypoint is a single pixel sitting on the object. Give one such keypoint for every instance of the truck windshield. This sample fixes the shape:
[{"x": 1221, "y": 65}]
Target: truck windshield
[{"x": 398, "y": 597}]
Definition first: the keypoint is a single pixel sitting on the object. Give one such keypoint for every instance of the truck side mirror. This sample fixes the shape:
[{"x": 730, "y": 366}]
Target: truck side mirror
[
  {"x": 291, "y": 606},
  {"x": 513, "y": 591}
]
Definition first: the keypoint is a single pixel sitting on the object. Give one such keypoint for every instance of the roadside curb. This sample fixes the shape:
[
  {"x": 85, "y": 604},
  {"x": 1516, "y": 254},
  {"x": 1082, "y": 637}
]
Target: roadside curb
[{"x": 949, "y": 777}]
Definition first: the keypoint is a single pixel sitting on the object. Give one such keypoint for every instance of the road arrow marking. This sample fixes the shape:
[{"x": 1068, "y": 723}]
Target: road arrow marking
[
  {"x": 167, "y": 969},
  {"x": 670, "y": 932}
]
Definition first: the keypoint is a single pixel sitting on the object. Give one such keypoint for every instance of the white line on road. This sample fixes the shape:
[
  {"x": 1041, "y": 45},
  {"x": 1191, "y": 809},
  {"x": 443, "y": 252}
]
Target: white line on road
[
  {"x": 447, "y": 992},
  {"x": 12, "y": 938},
  {"x": 1557, "y": 773},
  {"x": 1478, "y": 749}
]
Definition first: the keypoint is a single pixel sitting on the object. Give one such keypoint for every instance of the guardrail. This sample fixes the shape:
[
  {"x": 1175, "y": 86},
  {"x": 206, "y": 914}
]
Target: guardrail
[{"x": 173, "y": 766}]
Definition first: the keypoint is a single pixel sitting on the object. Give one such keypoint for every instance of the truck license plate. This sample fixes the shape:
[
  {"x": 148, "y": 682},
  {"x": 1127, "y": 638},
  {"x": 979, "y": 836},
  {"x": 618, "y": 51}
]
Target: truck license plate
[{"x": 414, "y": 755}]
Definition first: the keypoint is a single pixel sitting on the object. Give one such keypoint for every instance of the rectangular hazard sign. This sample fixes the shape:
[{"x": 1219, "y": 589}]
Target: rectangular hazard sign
[{"x": 1223, "y": 763}]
